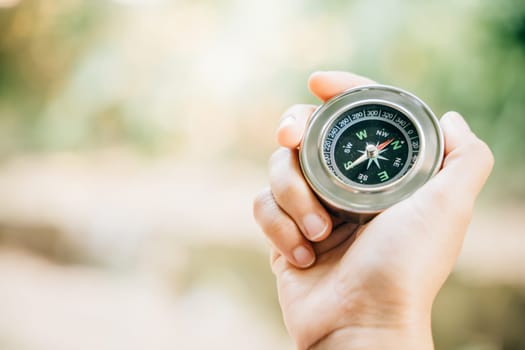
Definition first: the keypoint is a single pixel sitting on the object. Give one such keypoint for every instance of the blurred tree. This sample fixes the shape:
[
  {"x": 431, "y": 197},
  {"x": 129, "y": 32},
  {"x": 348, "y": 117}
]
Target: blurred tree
[
  {"x": 40, "y": 42},
  {"x": 502, "y": 91}
]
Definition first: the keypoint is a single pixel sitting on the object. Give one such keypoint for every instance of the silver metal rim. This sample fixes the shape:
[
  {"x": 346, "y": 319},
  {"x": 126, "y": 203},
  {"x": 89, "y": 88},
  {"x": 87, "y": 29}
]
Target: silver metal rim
[{"x": 362, "y": 200}]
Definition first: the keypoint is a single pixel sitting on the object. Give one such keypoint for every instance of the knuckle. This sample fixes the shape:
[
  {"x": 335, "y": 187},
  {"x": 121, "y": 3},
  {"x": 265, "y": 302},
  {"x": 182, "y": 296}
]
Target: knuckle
[
  {"x": 476, "y": 149},
  {"x": 261, "y": 202},
  {"x": 480, "y": 152},
  {"x": 478, "y": 145},
  {"x": 277, "y": 157},
  {"x": 277, "y": 226},
  {"x": 270, "y": 217},
  {"x": 283, "y": 175},
  {"x": 281, "y": 231},
  {"x": 287, "y": 191},
  {"x": 486, "y": 153}
]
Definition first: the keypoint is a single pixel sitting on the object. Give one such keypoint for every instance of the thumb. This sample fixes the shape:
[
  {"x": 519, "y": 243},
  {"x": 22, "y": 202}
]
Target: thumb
[
  {"x": 466, "y": 167},
  {"x": 468, "y": 160}
]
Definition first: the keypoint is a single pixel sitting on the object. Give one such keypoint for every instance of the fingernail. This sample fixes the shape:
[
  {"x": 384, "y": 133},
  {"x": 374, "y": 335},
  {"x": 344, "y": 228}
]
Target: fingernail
[
  {"x": 314, "y": 225},
  {"x": 303, "y": 257},
  {"x": 287, "y": 120},
  {"x": 456, "y": 121}
]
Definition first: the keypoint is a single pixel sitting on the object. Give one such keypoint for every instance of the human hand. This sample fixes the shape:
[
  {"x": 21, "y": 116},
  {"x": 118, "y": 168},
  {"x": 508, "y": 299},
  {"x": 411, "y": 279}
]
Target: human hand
[{"x": 344, "y": 286}]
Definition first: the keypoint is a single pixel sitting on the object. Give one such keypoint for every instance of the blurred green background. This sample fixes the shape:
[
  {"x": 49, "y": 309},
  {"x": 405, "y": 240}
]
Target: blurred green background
[{"x": 134, "y": 134}]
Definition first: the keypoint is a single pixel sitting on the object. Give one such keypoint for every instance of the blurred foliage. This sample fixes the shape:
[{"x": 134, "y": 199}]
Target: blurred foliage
[
  {"x": 468, "y": 315},
  {"x": 90, "y": 74}
]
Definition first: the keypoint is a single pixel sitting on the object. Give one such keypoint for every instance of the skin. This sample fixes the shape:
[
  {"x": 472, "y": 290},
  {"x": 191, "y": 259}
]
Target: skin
[{"x": 344, "y": 286}]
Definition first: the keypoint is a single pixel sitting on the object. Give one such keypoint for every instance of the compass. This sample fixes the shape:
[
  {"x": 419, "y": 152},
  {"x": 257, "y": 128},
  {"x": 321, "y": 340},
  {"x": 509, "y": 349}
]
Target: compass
[{"x": 369, "y": 148}]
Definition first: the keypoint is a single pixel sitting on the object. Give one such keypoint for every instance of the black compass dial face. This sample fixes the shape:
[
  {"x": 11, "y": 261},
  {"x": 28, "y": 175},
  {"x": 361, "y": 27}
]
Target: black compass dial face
[{"x": 371, "y": 145}]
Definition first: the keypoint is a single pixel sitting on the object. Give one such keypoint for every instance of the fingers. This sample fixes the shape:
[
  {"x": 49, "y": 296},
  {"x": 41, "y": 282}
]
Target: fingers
[
  {"x": 294, "y": 196},
  {"x": 293, "y": 122},
  {"x": 326, "y": 85},
  {"x": 282, "y": 231},
  {"x": 290, "y": 214}
]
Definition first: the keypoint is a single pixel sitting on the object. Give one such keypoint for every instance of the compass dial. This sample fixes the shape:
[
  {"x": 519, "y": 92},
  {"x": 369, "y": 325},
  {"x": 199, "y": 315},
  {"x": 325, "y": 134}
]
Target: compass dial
[{"x": 370, "y": 145}]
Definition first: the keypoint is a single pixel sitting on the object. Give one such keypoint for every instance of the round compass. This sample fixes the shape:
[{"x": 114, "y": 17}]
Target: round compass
[{"x": 369, "y": 148}]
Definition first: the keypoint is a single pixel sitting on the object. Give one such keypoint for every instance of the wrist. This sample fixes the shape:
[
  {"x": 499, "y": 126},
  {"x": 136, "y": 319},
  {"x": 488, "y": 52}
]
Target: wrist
[{"x": 414, "y": 336}]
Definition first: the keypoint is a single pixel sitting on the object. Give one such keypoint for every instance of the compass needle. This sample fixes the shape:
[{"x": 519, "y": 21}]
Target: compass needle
[
  {"x": 357, "y": 161},
  {"x": 384, "y": 145}
]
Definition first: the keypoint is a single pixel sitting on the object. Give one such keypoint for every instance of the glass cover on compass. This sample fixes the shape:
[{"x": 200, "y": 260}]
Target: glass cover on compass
[{"x": 370, "y": 145}]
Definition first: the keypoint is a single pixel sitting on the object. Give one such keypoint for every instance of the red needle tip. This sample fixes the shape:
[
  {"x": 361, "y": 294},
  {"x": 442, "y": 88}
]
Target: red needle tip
[{"x": 384, "y": 144}]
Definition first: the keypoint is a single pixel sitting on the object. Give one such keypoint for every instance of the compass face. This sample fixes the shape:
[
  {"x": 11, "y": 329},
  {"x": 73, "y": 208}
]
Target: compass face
[{"x": 370, "y": 145}]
